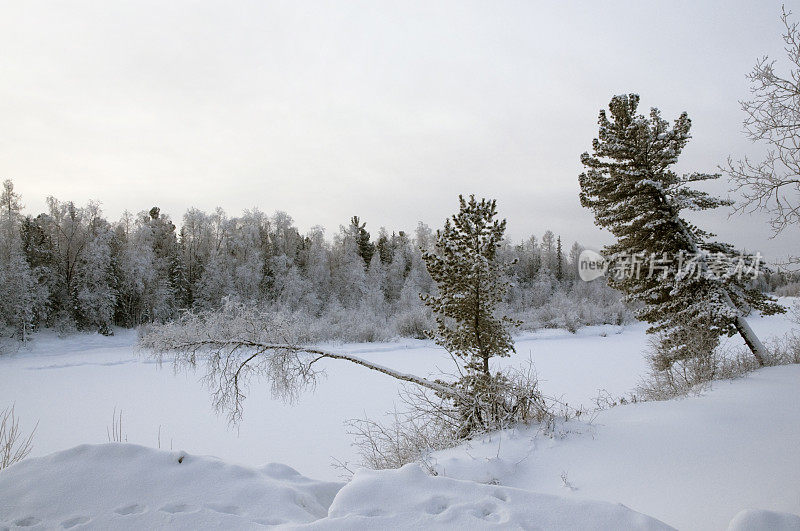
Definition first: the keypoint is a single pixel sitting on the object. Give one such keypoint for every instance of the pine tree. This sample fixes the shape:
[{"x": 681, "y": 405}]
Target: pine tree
[
  {"x": 382, "y": 246},
  {"x": 559, "y": 261},
  {"x": 359, "y": 232},
  {"x": 633, "y": 192},
  {"x": 470, "y": 285}
]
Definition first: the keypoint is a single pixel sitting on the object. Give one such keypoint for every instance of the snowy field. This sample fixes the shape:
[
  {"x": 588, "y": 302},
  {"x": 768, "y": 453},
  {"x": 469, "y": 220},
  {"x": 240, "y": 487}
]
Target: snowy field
[
  {"x": 693, "y": 463},
  {"x": 73, "y": 386}
]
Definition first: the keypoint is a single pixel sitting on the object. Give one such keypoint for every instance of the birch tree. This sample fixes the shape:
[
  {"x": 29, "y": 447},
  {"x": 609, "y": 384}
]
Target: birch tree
[{"x": 772, "y": 185}]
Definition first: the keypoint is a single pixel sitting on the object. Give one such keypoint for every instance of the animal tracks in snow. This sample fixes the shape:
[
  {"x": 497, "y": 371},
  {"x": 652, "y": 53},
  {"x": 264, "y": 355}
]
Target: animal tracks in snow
[
  {"x": 134, "y": 508},
  {"x": 224, "y": 509},
  {"x": 177, "y": 508},
  {"x": 28, "y": 521},
  {"x": 72, "y": 522}
]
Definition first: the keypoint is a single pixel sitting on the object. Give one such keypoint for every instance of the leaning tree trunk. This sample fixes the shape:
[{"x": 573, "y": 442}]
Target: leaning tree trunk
[
  {"x": 751, "y": 339},
  {"x": 748, "y": 335}
]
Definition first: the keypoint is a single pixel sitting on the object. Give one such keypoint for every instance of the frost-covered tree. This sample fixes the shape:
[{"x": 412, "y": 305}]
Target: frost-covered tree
[
  {"x": 399, "y": 265},
  {"x": 21, "y": 297},
  {"x": 95, "y": 293},
  {"x": 239, "y": 341},
  {"x": 630, "y": 186},
  {"x": 375, "y": 297},
  {"x": 67, "y": 229},
  {"x": 359, "y": 233},
  {"x": 348, "y": 276},
  {"x": 772, "y": 184},
  {"x": 559, "y": 260},
  {"x": 247, "y": 247},
  {"x": 148, "y": 268},
  {"x": 195, "y": 245},
  {"x": 318, "y": 266},
  {"x": 549, "y": 250},
  {"x": 285, "y": 237},
  {"x": 470, "y": 282},
  {"x": 574, "y": 254}
]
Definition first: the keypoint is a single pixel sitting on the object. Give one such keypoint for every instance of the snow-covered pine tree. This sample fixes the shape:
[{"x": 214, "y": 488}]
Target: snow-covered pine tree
[
  {"x": 471, "y": 284},
  {"x": 633, "y": 192},
  {"x": 359, "y": 232},
  {"x": 559, "y": 261}
]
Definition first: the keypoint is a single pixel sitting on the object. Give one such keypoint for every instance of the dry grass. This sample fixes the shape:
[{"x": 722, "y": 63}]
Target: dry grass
[{"x": 14, "y": 445}]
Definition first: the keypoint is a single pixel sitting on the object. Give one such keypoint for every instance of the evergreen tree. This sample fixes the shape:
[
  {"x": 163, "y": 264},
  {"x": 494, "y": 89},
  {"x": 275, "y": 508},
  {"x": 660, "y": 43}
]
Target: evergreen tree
[
  {"x": 633, "y": 192},
  {"x": 382, "y": 246},
  {"x": 159, "y": 233},
  {"x": 359, "y": 232},
  {"x": 470, "y": 285},
  {"x": 559, "y": 261}
]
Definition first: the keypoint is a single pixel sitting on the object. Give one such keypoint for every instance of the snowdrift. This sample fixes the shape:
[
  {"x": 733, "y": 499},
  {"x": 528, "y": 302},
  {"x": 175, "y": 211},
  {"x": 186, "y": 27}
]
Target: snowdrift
[
  {"x": 694, "y": 463},
  {"x": 125, "y": 486},
  {"x": 410, "y": 498}
]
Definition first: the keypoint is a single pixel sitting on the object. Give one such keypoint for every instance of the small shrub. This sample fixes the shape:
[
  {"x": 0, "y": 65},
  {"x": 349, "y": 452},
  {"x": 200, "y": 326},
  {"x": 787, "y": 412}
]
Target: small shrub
[
  {"x": 669, "y": 378},
  {"x": 784, "y": 350},
  {"x": 14, "y": 445},
  {"x": 792, "y": 289},
  {"x": 431, "y": 423},
  {"x": 414, "y": 323}
]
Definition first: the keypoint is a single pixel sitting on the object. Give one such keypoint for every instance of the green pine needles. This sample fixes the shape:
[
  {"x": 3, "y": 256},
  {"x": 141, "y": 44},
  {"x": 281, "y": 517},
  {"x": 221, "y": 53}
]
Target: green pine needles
[
  {"x": 471, "y": 284},
  {"x": 470, "y": 281},
  {"x": 681, "y": 277}
]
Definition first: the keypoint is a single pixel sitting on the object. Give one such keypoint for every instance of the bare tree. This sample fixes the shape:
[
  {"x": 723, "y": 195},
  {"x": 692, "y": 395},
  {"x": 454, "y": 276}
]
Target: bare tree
[
  {"x": 772, "y": 185},
  {"x": 241, "y": 341},
  {"x": 14, "y": 445}
]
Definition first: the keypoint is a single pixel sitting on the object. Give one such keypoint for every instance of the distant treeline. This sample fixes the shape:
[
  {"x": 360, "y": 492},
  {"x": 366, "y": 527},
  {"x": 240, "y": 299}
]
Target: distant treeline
[{"x": 71, "y": 269}]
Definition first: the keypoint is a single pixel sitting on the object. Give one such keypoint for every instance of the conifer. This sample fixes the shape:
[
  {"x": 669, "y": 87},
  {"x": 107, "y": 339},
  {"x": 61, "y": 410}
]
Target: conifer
[{"x": 680, "y": 275}]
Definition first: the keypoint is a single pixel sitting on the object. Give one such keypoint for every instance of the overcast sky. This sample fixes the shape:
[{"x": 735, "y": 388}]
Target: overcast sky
[{"x": 387, "y": 110}]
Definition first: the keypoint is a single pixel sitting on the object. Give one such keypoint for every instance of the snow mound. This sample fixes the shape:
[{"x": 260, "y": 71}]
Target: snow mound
[
  {"x": 125, "y": 486},
  {"x": 758, "y": 519},
  {"x": 410, "y": 498},
  {"x": 693, "y": 463}
]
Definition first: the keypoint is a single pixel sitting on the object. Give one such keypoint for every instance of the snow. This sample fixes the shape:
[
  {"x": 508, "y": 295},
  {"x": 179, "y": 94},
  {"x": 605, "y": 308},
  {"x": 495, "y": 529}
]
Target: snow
[
  {"x": 80, "y": 380},
  {"x": 758, "y": 520},
  {"x": 125, "y": 486},
  {"x": 692, "y": 463},
  {"x": 409, "y": 498}
]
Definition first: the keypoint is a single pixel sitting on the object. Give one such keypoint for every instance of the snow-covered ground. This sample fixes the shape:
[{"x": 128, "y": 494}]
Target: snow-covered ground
[
  {"x": 124, "y": 486},
  {"x": 73, "y": 386},
  {"x": 693, "y": 463}
]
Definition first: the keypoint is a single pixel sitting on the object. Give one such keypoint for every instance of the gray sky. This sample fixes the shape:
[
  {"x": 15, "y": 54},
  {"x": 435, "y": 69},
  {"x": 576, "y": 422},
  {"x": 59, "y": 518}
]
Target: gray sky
[{"x": 387, "y": 110}]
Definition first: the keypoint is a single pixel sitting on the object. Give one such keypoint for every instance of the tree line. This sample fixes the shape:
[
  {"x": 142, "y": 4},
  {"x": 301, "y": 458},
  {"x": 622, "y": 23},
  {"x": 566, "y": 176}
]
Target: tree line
[{"x": 71, "y": 269}]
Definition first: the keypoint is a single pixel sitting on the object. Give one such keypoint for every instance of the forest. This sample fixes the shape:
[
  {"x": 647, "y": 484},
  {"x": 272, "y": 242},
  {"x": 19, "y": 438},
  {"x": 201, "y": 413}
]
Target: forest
[{"x": 71, "y": 269}]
